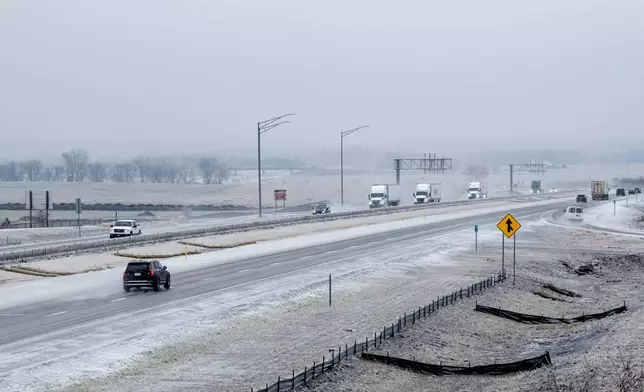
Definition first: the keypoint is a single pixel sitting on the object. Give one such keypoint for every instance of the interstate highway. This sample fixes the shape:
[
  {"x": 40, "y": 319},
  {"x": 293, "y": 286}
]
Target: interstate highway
[{"x": 36, "y": 331}]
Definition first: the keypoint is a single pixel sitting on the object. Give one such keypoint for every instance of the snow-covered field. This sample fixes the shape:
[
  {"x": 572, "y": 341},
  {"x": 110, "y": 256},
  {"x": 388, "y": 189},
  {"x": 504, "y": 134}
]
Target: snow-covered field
[{"x": 303, "y": 187}]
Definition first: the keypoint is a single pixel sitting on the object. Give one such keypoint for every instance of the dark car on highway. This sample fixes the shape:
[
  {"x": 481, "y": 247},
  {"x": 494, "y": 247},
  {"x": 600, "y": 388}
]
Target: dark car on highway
[
  {"x": 637, "y": 190},
  {"x": 582, "y": 199},
  {"x": 321, "y": 208},
  {"x": 620, "y": 192},
  {"x": 146, "y": 274},
  {"x": 631, "y": 191}
]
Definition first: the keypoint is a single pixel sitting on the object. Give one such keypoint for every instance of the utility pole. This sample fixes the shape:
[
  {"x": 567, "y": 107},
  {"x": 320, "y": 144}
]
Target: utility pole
[
  {"x": 343, "y": 134},
  {"x": 263, "y": 127}
]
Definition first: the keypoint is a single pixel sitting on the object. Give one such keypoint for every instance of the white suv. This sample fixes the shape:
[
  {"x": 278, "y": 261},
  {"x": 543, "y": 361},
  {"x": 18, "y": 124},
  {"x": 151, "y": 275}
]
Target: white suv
[{"x": 125, "y": 228}]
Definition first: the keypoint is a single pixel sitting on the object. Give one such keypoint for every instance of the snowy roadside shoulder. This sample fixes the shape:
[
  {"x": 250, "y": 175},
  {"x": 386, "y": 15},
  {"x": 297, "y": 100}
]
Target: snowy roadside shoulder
[
  {"x": 625, "y": 215},
  {"x": 101, "y": 283},
  {"x": 580, "y": 352}
]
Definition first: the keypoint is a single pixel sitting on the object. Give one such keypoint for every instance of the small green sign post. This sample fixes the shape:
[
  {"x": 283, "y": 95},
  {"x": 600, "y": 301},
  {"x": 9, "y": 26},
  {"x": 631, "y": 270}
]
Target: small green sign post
[{"x": 476, "y": 238}]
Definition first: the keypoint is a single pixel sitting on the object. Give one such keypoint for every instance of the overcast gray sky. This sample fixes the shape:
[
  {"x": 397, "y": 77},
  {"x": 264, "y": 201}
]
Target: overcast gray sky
[{"x": 129, "y": 76}]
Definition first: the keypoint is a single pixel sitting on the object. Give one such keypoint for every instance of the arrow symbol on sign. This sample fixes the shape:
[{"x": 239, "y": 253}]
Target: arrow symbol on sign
[{"x": 509, "y": 223}]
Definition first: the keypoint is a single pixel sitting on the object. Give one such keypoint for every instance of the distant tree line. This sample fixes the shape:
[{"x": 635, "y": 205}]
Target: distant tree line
[{"x": 77, "y": 166}]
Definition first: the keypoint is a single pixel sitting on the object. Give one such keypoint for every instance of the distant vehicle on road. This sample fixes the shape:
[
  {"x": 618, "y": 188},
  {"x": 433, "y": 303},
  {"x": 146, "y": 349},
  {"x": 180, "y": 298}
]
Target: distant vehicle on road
[
  {"x": 553, "y": 190},
  {"x": 637, "y": 190},
  {"x": 144, "y": 274},
  {"x": 620, "y": 192},
  {"x": 631, "y": 191},
  {"x": 574, "y": 213},
  {"x": 384, "y": 195},
  {"x": 582, "y": 199},
  {"x": 599, "y": 190},
  {"x": 535, "y": 186},
  {"x": 321, "y": 208},
  {"x": 125, "y": 228}
]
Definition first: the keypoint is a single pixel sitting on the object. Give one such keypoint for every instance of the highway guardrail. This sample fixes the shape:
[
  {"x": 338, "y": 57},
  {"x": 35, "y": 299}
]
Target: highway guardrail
[{"x": 107, "y": 243}]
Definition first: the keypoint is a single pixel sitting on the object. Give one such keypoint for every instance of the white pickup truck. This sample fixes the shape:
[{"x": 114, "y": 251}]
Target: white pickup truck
[{"x": 125, "y": 228}]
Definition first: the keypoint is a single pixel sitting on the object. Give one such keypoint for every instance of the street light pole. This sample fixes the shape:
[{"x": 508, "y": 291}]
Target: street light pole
[
  {"x": 263, "y": 127},
  {"x": 342, "y": 136}
]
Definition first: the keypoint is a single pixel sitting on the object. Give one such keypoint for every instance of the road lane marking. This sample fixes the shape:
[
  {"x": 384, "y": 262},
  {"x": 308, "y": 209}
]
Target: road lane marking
[
  {"x": 207, "y": 278},
  {"x": 56, "y": 314},
  {"x": 244, "y": 270},
  {"x": 118, "y": 299},
  {"x": 11, "y": 314}
]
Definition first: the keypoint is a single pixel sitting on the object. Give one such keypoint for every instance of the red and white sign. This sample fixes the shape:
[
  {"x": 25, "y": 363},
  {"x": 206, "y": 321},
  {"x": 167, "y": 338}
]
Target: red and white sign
[{"x": 280, "y": 194}]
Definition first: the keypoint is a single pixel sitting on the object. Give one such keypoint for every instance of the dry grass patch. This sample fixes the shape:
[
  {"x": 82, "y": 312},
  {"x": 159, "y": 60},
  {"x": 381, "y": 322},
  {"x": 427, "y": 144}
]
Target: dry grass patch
[
  {"x": 50, "y": 274},
  {"x": 156, "y": 256},
  {"x": 217, "y": 246}
]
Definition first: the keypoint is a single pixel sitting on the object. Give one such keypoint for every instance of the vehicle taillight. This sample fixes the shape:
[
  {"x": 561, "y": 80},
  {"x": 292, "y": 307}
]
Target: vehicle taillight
[
  {"x": 123, "y": 273},
  {"x": 151, "y": 272}
]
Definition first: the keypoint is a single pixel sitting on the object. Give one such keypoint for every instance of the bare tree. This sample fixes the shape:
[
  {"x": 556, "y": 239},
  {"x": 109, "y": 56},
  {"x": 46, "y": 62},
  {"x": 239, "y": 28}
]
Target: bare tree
[
  {"x": 97, "y": 171},
  {"x": 123, "y": 172},
  {"x": 142, "y": 166},
  {"x": 9, "y": 171},
  {"x": 208, "y": 167},
  {"x": 223, "y": 172},
  {"x": 76, "y": 161},
  {"x": 32, "y": 169},
  {"x": 59, "y": 173}
]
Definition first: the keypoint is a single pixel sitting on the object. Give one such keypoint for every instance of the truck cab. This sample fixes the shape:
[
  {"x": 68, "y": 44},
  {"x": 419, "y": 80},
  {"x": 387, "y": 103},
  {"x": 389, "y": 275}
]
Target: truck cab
[
  {"x": 384, "y": 196},
  {"x": 427, "y": 193},
  {"x": 475, "y": 191}
]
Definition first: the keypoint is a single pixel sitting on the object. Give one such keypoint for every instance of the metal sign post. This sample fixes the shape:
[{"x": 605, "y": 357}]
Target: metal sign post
[
  {"x": 509, "y": 227},
  {"x": 614, "y": 207},
  {"x": 78, "y": 214},
  {"x": 329, "y": 290},
  {"x": 476, "y": 238},
  {"x": 279, "y": 195},
  {"x": 514, "y": 260}
]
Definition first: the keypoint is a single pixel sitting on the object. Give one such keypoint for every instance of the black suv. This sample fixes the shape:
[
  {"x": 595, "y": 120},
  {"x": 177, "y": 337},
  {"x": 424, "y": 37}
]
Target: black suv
[
  {"x": 146, "y": 273},
  {"x": 620, "y": 192},
  {"x": 582, "y": 199},
  {"x": 637, "y": 190}
]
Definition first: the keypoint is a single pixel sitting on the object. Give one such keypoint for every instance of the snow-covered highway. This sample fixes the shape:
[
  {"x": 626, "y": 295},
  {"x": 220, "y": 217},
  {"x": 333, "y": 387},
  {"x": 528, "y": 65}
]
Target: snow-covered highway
[{"x": 83, "y": 325}]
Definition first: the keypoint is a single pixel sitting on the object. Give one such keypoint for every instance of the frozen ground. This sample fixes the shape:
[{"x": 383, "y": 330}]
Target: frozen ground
[
  {"x": 592, "y": 352},
  {"x": 302, "y": 187}
]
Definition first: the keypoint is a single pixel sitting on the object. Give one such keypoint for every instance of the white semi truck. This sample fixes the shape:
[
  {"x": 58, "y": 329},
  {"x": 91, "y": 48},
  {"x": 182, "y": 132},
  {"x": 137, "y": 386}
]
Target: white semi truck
[
  {"x": 384, "y": 195},
  {"x": 476, "y": 191},
  {"x": 427, "y": 193}
]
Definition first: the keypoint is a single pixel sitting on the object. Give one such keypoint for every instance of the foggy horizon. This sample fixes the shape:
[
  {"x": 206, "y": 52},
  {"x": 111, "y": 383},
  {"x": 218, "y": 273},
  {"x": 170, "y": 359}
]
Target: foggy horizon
[{"x": 122, "y": 79}]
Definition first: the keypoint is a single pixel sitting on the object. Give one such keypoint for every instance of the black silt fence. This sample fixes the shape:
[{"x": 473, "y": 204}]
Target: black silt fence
[
  {"x": 534, "y": 319},
  {"x": 493, "y": 369},
  {"x": 372, "y": 342}
]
